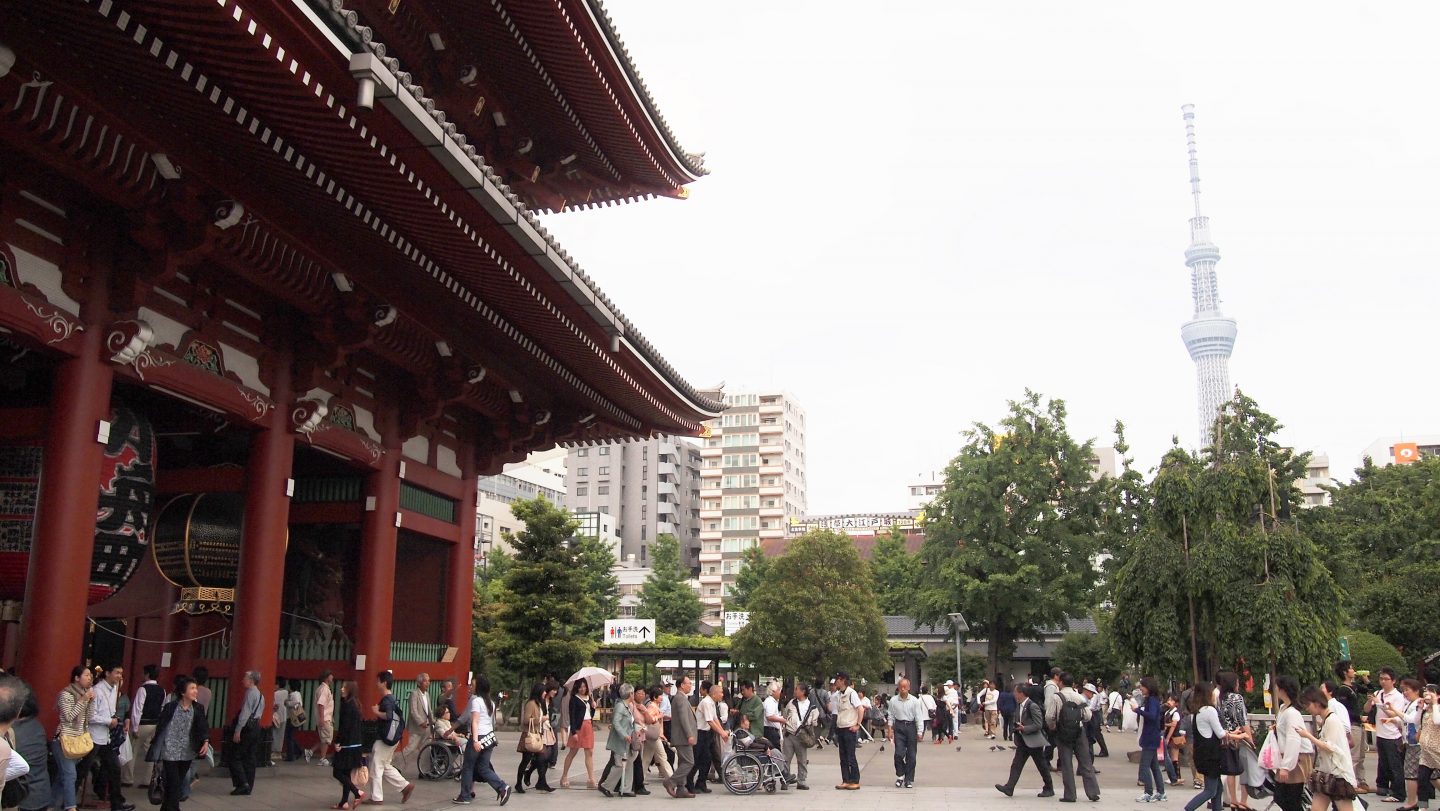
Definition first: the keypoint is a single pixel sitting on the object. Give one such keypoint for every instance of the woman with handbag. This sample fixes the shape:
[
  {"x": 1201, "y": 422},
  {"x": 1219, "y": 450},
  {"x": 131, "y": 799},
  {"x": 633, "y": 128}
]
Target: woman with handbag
[
  {"x": 480, "y": 746},
  {"x": 1206, "y": 753},
  {"x": 1231, "y": 707},
  {"x": 1333, "y": 780},
  {"x": 623, "y": 734},
  {"x": 582, "y": 733},
  {"x": 1428, "y": 736},
  {"x": 533, "y": 721},
  {"x": 349, "y": 757},
  {"x": 1410, "y": 719},
  {"x": 1289, "y": 776},
  {"x": 181, "y": 735},
  {"x": 655, "y": 741},
  {"x": 72, "y": 738}
]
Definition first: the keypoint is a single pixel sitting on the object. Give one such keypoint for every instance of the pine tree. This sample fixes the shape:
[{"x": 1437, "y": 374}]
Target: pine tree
[
  {"x": 666, "y": 596},
  {"x": 547, "y": 603}
]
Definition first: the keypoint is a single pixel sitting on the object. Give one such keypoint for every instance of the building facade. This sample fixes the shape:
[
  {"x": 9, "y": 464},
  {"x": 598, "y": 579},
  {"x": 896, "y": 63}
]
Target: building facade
[
  {"x": 1401, "y": 450},
  {"x": 541, "y": 475},
  {"x": 651, "y": 487},
  {"x": 1317, "y": 478},
  {"x": 753, "y": 485}
]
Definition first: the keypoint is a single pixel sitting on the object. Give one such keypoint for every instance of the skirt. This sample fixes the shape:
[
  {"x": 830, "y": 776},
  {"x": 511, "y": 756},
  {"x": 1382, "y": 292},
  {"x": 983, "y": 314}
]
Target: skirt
[
  {"x": 582, "y": 738},
  {"x": 1412, "y": 762}
]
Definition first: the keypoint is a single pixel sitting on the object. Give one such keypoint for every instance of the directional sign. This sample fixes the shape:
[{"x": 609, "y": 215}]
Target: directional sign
[
  {"x": 735, "y": 620},
  {"x": 629, "y": 632}
]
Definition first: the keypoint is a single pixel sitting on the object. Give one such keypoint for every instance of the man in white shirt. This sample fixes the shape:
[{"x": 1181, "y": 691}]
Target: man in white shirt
[
  {"x": 105, "y": 722},
  {"x": 1389, "y": 706},
  {"x": 1334, "y": 705},
  {"x": 708, "y": 731},
  {"x": 144, "y": 713},
  {"x": 907, "y": 716},
  {"x": 989, "y": 707},
  {"x": 929, "y": 702},
  {"x": 1116, "y": 703},
  {"x": 325, "y": 715},
  {"x": 1093, "y": 733},
  {"x": 952, "y": 706},
  {"x": 846, "y": 706},
  {"x": 774, "y": 721}
]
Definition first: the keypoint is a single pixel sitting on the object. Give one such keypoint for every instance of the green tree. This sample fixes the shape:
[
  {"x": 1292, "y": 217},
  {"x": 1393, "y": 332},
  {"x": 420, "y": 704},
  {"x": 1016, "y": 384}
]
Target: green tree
[
  {"x": 940, "y": 666},
  {"x": 488, "y": 637},
  {"x": 1010, "y": 538},
  {"x": 666, "y": 596},
  {"x": 896, "y": 574},
  {"x": 815, "y": 613},
  {"x": 1222, "y": 574},
  {"x": 547, "y": 603},
  {"x": 1125, "y": 509},
  {"x": 1087, "y": 656},
  {"x": 1381, "y": 536},
  {"x": 754, "y": 569},
  {"x": 596, "y": 564},
  {"x": 1369, "y": 652}
]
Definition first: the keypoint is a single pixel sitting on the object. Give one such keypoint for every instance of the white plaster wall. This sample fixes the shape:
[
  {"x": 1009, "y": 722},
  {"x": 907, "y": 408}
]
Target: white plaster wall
[
  {"x": 46, "y": 276},
  {"x": 417, "y": 448},
  {"x": 445, "y": 460},
  {"x": 365, "y": 421},
  {"x": 246, "y": 367},
  {"x": 167, "y": 330}
]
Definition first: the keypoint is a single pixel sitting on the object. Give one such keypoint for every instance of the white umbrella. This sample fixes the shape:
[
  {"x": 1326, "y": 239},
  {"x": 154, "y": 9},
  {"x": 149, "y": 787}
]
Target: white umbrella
[{"x": 596, "y": 677}]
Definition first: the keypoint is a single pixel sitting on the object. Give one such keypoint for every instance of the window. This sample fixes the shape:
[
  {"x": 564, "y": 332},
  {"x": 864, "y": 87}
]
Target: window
[
  {"x": 741, "y": 502},
  {"x": 582, "y": 471},
  {"x": 604, "y": 450},
  {"x": 740, "y": 440},
  {"x": 738, "y": 544},
  {"x": 605, "y": 509},
  {"x": 642, "y": 546},
  {"x": 741, "y": 460},
  {"x": 604, "y": 471},
  {"x": 740, "y": 480},
  {"x": 740, "y": 522},
  {"x": 582, "y": 490},
  {"x": 602, "y": 490},
  {"x": 582, "y": 453}
]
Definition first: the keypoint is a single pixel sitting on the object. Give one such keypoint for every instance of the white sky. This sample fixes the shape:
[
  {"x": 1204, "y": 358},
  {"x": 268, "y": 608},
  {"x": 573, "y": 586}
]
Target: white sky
[{"x": 918, "y": 210}]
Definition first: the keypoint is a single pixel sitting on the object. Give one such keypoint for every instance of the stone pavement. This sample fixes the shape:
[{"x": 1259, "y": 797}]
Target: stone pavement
[{"x": 945, "y": 779}]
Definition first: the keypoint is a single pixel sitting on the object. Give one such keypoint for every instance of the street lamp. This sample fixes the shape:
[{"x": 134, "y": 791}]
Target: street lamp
[{"x": 961, "y": 626}]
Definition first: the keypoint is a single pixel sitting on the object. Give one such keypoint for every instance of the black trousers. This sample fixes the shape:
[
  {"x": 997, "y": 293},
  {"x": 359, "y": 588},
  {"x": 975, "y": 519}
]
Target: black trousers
[
  {"x": 772, "y": 735},
  {"x": 1425, "y": 792},
  {"x": 1017, "y": 764},
  {"x": 906, "y": 744},
  {"x": 539, "y": 762},
  {"x": 1290, "y": 796},
  {"x": 174, "y": 773},
  {"x": 242, "y": 758},
  {"x": 108, "y": 757},
  {"x": 703, "y": 758},
  {"x": 1096, "y": 735},
  {"x": 1007, "y": 723},
  {"x": 1390, "y": 775},
  {"x": 847, "y": 743}
]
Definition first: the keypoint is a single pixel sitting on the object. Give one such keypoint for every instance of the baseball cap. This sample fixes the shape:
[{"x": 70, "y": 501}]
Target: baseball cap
[{"x": 842, "y": 675}]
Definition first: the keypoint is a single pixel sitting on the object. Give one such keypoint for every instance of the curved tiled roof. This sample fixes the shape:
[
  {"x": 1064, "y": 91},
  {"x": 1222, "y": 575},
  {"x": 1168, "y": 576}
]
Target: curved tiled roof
[{"x": 364, "y": 37}]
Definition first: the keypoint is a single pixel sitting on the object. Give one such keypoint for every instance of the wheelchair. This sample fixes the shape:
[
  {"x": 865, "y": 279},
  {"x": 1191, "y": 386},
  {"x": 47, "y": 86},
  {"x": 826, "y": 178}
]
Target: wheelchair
[
  {"x": 752, "y": 767},
  {"x": 440, "y": 759}
]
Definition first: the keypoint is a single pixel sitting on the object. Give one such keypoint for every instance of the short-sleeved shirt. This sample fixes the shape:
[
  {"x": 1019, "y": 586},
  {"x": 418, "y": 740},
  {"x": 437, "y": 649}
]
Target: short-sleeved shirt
[
  {"x": 486, "y": 723},
  {"x": 909, "y": 709},
  {"x": 1385, "y": 725},
  {"x": 708, "y": 713},
  {"x": 772, "y": 709}
]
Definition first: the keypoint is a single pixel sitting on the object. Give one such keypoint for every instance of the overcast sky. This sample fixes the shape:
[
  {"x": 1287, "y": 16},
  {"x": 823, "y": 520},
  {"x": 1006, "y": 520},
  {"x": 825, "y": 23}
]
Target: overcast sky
[{"x": 918, "y": 210}]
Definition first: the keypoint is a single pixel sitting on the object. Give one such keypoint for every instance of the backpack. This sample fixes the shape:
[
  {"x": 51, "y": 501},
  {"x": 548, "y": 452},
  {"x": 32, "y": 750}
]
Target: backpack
[
  {"x": 1070, "y": 724},
  {"x": 393, "y": 726}
]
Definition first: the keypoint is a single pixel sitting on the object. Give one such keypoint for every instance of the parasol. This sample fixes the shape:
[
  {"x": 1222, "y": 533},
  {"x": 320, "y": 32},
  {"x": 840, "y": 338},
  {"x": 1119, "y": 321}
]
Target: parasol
[{"x": 596, "y": 677}]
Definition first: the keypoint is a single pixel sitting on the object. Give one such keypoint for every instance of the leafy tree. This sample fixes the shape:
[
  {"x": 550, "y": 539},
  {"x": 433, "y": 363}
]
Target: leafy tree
[
  {"x": 1223, "y": 575},
  {"x": 666, "y": 595},
  {"x": 815, "y": 613},
  {"x": 1087, "y": 656},
  {"x": 896, "y": 574},
  {"x": 547, "y": 602},
  {"x": 1381, "y": 535},
  {"x": 488, "y": 638},
  {"x": 596, "y": 564},
  {"x": 1010, "y": 538},
  {"x": 940, "y": 666},
  {"x": 1125, "y": 503},
  {"x": 1370, "y": 652},
  {"x": 754, "y": 569}
]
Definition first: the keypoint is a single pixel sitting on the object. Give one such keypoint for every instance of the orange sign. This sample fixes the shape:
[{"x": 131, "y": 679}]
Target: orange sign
[{"x": 1406, "y": 452}]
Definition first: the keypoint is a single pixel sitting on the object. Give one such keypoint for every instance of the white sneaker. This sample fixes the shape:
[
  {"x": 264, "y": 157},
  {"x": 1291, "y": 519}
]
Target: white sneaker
[
  {"x": 324, "y": 761},
  {"x": 1158, "y": 798},
  {"x": 1144, "y": 798}
]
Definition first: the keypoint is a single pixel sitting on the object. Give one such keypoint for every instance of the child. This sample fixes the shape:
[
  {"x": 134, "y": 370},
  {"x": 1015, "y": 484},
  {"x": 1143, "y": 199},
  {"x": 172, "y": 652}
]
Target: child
[{"x": 1174, "y": 738}]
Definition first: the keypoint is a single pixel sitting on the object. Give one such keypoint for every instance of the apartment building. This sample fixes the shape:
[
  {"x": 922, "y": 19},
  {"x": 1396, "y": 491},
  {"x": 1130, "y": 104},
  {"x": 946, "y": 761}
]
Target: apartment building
[
  {"x": 753, "y": 486},
  {"x": 650, "y": 487}
]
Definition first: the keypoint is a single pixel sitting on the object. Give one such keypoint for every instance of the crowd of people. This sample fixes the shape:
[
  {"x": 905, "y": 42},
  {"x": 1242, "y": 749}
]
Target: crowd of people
[{"x": 682, "y": 733}]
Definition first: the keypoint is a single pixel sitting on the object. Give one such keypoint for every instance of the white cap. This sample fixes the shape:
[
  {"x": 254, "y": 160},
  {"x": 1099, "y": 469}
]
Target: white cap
[
  {"x": 949, "y": 682},
  {"x": 1089, "y": 688}
]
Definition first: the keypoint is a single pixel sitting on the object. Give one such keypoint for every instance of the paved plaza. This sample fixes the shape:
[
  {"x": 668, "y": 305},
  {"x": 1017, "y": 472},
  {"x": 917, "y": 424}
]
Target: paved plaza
[{"x": 945, "y": 778}]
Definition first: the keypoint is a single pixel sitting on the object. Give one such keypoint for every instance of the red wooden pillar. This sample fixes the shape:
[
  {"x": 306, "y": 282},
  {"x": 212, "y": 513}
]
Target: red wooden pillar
[
  {"x": 52, "y": 631},
  {"x": 379, "y": 538},
  {"x": 460, "y": 602},
  {"x": 260, "y": 589}
]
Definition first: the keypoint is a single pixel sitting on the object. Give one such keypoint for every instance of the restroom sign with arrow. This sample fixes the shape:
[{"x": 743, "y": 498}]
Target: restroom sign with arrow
[{"x": 628, "y": 632}]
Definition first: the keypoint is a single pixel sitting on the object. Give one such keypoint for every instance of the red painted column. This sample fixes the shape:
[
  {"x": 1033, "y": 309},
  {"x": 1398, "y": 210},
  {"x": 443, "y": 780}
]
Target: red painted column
[
  {"x": 460, "y": 601},
  {"x": 379, "y": 538},
  {"x": 52, "y": 630},
  {"x": 258, "y": 594}
]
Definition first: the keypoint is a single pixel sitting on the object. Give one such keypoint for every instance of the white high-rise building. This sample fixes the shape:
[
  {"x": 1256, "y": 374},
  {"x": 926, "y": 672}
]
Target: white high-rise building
[
  {"x": 752, "y": 485},
  {"x": 1209, "y": 335}
]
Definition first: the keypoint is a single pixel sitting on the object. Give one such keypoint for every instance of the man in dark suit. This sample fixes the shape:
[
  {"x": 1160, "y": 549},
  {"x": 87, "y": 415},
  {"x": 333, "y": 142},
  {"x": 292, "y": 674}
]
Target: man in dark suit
[
  {"x": 1030, "y": 740},
  {"x": 683, "y": 737}
]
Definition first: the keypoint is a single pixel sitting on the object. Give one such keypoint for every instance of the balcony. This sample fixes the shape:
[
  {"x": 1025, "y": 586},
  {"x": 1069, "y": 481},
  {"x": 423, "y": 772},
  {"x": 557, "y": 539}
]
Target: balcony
[
  {"x": 772, "y": 428},
  {"x": 666, "y": 528},
  {"x": 772, "y": 469},
  {"x": 711, "y": 557},
  {"x": 771, "y": 408},
  {"x": 772, "y": 512},
  {"x": 778, "y": 532},
  {"x": 711, "y": 472},
  {"x": 777, "y": 490},
  {"x": 665, "y": 488},
  {"x": 666, "y": 469},
  {"x": 711, "y": 579},
  {"x": 715, "y": 514},
  {"x": 665, "y": 508}
]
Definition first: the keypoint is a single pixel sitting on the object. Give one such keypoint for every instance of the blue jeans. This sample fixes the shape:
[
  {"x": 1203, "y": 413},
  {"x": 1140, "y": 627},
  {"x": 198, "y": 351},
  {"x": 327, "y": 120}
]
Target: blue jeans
[
  {"x": 1150, "y": 772},
  {"x": 1211, "y": 793},
  {"x": 63, "y": 787},
  {"x": 477, "y": 765}
]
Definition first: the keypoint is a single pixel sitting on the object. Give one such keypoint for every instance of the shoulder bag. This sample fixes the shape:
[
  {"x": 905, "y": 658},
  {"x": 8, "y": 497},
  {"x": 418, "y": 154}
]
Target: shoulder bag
[
  {"x": 75, "y": 747},
  {"x": 533, "y": 741},
  {"x": 155, "y": 792}
]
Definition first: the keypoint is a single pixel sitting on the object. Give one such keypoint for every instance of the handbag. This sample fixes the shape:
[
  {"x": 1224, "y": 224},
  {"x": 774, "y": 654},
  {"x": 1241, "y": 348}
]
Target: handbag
[
  {"x": 547, "y": 733},
  {"x": 76, "y": 747},
  {"x": 1331, "y": 785},
  {"x": 360, "y": 775},
  {"x": 155, "y": 792},
  {"x": 533, "y": 741},
  {"x": 1230, "y": 760}
]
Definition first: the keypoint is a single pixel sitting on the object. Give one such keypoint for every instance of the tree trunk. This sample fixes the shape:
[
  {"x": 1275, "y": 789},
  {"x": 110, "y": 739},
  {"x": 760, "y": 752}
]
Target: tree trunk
[{"x": 992, "y": 653}]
